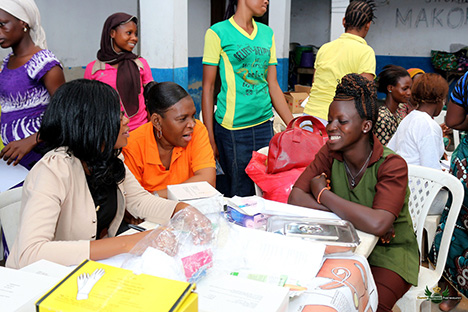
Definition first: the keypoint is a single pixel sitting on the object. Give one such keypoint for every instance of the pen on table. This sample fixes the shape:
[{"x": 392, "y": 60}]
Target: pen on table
[{"x": 137, "y": 228}]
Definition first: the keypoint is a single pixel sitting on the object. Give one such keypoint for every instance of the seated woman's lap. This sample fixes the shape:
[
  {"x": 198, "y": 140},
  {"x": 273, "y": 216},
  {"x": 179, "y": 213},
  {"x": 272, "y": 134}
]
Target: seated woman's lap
[{"x": 390, "y": 287}]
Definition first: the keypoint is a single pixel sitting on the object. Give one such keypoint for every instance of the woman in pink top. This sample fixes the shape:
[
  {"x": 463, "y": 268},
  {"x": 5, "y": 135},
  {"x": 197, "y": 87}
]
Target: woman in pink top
[{"x": 123, "y": 70}]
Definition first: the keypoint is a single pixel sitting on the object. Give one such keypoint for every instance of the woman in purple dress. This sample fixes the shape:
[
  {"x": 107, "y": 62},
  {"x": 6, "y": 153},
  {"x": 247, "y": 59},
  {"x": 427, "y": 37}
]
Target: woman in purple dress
[{"x": 29, "y": 75}]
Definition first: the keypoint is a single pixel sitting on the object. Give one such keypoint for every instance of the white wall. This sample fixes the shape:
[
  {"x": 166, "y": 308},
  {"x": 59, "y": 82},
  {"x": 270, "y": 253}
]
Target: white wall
[
  {"x": 310, "y": 21},
  {"x": 73, "y": 28},
  {"x": 166, "y": 23},
  {"x": 414, "y": 28},
  {"x": 198, "y": 22}
]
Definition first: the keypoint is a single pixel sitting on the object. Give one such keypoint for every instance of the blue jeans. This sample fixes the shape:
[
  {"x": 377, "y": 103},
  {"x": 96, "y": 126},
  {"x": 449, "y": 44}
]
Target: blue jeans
[{"x": 235, "y": 151}]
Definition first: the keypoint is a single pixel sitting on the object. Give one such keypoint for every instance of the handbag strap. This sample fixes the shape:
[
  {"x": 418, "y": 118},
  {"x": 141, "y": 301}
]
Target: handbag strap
[{"x": 317, "y": 124}]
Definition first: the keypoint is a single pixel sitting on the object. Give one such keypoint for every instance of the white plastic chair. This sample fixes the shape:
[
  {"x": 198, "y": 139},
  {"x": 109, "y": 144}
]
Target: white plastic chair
[
  {"x": 258, "y": 190},
  {"x": 10, "y": 205},
  {"x": 456, "y": 134},
  {"x": 424, "y": 185}
]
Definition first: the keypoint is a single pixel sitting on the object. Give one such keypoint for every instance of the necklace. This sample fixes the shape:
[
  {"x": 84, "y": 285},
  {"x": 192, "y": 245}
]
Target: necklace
[{"x": 353, "y": 178}]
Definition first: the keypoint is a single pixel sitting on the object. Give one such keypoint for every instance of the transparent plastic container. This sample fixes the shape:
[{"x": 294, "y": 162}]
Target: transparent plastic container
[{"x": 327, "y": 231}]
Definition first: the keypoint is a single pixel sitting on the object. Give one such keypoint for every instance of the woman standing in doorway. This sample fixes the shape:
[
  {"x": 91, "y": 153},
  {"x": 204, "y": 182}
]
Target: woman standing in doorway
[
  {"x": 29, "y": 75},
  {"x": 245, "y": 53},
  {"x": 123, "y": 70}
]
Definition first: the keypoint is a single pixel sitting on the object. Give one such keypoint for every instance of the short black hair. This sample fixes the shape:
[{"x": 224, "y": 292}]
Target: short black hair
[
  {"x": 389, "y": 76},
  {"x": 161, "y": 96},
  {"x": 362, "y": 91},
  {"x": 84, "y": 116},
  {"x": 359, "y": 13},
  {"x": 230, "y": 9}
]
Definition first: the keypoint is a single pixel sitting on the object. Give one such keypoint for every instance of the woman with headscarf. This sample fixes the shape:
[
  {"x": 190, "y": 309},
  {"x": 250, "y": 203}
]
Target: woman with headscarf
[
  {"x": 415, "y": 73},
  {"x": 29, "y": 75},
  {"x": 123, "y": 70}
]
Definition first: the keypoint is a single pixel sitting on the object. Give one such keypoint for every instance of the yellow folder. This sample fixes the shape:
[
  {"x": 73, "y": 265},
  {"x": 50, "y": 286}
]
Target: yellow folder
[{"x": 115, "y": 289}]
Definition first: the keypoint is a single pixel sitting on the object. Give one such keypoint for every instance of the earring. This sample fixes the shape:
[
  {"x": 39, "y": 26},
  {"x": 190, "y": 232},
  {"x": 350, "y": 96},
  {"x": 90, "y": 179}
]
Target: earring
[
  {"x": 389, "y": 91},
  {"x": 364, "y": 131},
  {"x": 25, "y": 29},
  {"x": 159, "y": 134}
]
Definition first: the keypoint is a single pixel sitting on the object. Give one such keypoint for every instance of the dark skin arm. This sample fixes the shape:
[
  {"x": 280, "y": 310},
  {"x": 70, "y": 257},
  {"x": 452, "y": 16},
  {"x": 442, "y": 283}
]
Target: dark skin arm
[
  {"x": 374, "y": 221},
  {"x": 300, "y": 198},
  {"x": 277, "y": 96},
  {"x": 209, "y": 77},
  {"x": 14, "y": 151},
  {"x": 456, "y": 117}
]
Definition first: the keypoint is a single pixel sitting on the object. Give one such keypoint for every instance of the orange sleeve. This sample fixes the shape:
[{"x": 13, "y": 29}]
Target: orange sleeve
[
  {"x": 202, "y": 153},
  {"x": 133, "y": 160}
]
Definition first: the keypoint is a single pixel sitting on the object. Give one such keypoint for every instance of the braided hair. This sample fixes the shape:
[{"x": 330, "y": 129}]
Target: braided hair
[
  {"x": 354, "y": 87},
  {"x": 429, "y": 89},
  {"x": 359, "y": 13}
]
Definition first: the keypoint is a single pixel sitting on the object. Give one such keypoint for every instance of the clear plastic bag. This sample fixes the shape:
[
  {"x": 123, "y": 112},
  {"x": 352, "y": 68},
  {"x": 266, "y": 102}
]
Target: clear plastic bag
[{"x": 182, "y": 248}]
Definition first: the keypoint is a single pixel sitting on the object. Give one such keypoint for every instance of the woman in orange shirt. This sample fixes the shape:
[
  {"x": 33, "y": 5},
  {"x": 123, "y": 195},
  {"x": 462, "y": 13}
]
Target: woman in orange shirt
[{"x": 173, "y": 147}]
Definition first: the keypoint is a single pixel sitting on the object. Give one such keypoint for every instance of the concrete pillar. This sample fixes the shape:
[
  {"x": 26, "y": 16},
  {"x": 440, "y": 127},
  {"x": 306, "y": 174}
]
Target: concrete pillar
[
  {"x": 338, "y": 10},
  {"x": 164, "y": 39},
  {"x": 279, "y": 20}
]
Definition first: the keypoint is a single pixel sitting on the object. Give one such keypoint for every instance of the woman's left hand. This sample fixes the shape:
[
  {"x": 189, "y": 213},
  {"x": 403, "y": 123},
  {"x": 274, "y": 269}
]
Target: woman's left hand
[
  {"x": 387, "y": 237},
  {"x": 16, "y": 150},
  {"x": 318, "y": 183}
]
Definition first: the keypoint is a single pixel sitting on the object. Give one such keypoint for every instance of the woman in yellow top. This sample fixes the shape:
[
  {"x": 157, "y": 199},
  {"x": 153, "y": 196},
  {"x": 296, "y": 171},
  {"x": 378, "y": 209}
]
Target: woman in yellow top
[{"x": 173, "y": 147}]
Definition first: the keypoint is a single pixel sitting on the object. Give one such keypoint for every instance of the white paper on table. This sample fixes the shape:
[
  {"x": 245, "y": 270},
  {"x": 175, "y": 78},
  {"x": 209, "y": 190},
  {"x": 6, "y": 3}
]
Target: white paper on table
[
  {"x": 271, "y": 253},
  {"x": 19, "y": 290},
  {"x": 48, "y": 268},
  {"x": 277, "y": 208},
  {"x": 235, "y": 294},
  {"x": 116, "y": 260},
  {"x": 11, "y": 175}
]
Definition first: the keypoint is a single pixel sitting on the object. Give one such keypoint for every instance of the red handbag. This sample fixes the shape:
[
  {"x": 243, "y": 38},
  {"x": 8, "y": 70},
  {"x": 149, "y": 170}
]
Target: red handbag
[{"x": 295, "y": 147}]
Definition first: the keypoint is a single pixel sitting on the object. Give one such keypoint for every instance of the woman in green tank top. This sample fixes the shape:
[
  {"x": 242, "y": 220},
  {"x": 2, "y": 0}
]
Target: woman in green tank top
[{"x": 360, "y": 180}]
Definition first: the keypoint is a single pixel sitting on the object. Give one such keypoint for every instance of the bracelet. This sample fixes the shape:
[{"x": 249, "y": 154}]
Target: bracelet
[{"x": 320, "y": 194}]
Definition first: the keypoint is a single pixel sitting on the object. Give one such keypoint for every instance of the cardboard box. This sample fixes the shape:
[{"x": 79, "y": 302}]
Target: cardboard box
[
  {"x": 191, "y": 191},
  {"x": 301, "y": 88},
  {"x": 294, "y": 100}
]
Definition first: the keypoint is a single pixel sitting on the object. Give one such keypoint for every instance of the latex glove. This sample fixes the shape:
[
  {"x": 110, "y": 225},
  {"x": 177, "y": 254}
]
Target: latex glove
[
  {"x": 166, "y": 241},
  {"x": 161, "y": 238},
  {"x": 192, "y": 220},
  {"x": 86, "y": 283}
]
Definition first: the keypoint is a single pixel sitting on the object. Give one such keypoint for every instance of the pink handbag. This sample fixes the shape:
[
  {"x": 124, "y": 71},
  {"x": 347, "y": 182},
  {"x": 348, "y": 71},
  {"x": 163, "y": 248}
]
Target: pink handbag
[{"x": 295, "y": 147}]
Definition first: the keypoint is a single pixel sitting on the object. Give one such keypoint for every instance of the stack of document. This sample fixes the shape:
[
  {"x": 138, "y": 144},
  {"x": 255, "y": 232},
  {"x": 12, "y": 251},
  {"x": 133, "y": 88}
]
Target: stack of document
[{"x": 200, "y": 195}]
